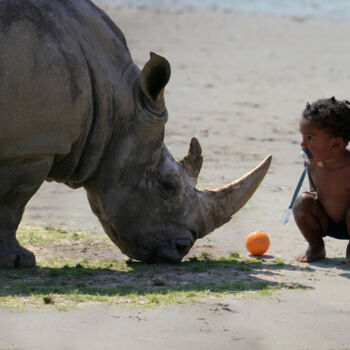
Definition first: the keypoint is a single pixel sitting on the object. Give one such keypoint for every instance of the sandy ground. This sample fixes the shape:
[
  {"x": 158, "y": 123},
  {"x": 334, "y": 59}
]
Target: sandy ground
[{"x": 239, "y": 84}]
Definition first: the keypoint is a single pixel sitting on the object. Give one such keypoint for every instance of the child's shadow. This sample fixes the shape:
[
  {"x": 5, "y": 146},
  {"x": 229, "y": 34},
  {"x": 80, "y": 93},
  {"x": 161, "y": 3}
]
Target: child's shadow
[{"x": 338, "y": 263}]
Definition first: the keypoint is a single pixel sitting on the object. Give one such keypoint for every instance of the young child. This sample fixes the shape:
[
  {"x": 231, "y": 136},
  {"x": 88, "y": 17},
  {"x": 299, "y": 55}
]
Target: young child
[{"x": 325, "y": 209}]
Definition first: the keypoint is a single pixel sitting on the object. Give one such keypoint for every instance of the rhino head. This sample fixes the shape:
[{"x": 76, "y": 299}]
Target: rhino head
[{"x": 147, "y": 201}]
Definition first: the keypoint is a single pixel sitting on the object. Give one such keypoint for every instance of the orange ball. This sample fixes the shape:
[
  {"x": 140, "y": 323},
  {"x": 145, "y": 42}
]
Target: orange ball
[{"x": 257, "y": 243}]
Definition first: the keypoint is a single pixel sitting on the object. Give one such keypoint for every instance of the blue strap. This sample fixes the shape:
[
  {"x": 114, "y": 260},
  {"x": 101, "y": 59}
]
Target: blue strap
[{"x": 301, "y": 180}]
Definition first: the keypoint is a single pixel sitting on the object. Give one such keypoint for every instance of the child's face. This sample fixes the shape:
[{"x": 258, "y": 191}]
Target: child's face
[{"x": 316, "y": 140}]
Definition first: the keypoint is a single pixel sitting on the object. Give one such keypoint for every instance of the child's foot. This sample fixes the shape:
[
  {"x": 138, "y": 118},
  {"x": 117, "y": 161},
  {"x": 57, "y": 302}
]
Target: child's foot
[
  {"x": 348, "y": 254},
  {"x": 313, "y": 254}
]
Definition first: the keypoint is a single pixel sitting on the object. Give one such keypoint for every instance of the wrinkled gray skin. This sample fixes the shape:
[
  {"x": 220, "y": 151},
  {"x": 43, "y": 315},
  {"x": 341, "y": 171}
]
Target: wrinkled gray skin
[{"x": 74, "y": 108}]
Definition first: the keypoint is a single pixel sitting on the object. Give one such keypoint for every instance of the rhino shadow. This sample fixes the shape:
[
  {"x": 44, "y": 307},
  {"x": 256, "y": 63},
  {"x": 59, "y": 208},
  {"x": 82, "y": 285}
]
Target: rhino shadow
[{"x": 214, "y": 276}]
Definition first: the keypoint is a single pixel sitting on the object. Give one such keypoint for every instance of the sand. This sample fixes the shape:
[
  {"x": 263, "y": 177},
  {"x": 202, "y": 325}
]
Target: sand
[{"x": 239, "y": 84}]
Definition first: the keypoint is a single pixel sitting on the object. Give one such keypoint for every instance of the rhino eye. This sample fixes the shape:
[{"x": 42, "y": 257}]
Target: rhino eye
[{"x": 167, "y": 188}]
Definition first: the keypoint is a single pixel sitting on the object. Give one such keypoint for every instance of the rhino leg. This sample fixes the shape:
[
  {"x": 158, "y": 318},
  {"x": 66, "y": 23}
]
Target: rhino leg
[{"x": 20, "y": 179}]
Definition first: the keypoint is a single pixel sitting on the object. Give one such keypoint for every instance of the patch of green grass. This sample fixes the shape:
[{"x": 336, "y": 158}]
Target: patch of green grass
[
  {"x": 243, "y": 268},
  {"x": 48, "y": 234},
  {"x": 278, "y": 262},
  {"x": 128, "y": 294}
]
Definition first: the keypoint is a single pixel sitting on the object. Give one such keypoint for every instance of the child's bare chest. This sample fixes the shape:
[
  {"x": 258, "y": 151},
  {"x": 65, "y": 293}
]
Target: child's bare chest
[
  {"x": 333, "y": 190},
  {"x": 332, "y": 183}
]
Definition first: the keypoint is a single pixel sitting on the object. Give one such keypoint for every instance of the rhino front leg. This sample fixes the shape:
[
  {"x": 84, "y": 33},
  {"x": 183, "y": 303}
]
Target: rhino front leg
[{"x": 20, "y": 179}]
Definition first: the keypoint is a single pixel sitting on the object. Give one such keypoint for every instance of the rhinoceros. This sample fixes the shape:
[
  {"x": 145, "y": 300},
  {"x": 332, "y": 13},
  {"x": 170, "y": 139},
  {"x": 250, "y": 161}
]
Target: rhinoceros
[{"x": 75, "y": 109}]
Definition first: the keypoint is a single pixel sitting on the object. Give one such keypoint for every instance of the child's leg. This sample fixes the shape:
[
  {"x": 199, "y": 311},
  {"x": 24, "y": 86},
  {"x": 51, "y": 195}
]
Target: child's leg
[
  {"x": 312, "y": 222},
  {"x": 348, "y": 227}
]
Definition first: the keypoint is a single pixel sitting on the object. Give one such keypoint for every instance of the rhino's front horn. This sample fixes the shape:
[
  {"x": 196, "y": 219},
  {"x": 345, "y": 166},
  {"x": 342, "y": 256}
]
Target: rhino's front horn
[
  {"x": 192, "y": 162},
  {"x": 223, "y": 202}
]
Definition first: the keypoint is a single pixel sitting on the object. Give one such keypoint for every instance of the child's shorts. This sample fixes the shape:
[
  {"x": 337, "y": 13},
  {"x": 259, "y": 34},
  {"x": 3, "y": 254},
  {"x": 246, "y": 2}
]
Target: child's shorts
[{"x": 337, "y": 229}]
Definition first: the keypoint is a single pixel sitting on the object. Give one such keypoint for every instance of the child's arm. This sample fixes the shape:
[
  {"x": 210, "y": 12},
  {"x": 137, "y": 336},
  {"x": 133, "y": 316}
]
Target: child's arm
[{"x": 311, "y": 183}]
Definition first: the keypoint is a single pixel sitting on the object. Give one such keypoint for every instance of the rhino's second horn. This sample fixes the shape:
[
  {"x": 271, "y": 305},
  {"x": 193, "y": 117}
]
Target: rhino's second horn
[{"x": 192, "y": 162}]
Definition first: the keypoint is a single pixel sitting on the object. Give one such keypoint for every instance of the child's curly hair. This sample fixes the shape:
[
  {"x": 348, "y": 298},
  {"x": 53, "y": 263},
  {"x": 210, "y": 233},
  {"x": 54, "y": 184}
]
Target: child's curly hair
[{"x": 331, "y": 115}]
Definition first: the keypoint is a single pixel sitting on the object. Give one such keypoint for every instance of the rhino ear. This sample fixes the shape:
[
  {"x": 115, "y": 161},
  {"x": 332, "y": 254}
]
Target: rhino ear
[{"x": 154, "y": 76}]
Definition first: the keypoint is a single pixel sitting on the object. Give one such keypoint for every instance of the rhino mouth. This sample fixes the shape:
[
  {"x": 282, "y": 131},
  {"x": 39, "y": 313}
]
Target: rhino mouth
[
  {"x": 156, "y": 246},
  {"x": 163, "y": 246},
  {"x": 174, "y": 251}
]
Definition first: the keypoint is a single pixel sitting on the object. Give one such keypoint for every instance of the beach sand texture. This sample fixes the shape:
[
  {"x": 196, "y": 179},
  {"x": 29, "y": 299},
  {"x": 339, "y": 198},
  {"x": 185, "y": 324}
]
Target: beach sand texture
[{"x": 239, "y": 83}]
